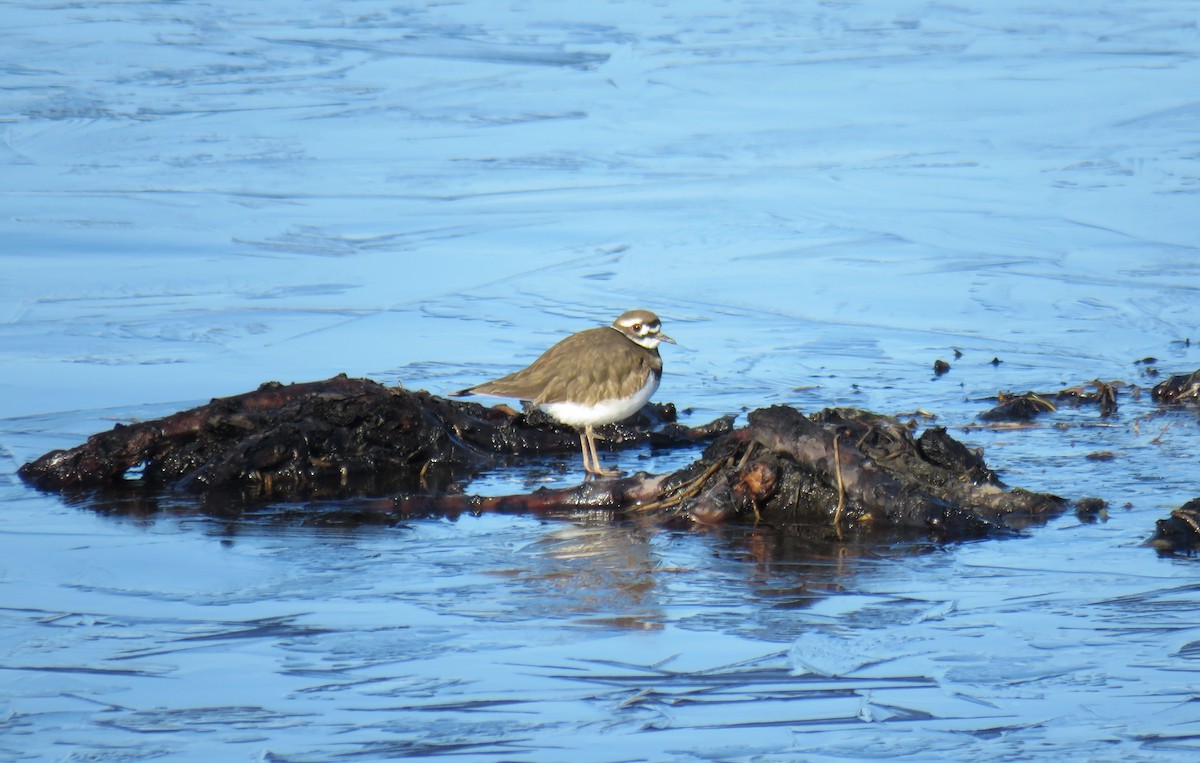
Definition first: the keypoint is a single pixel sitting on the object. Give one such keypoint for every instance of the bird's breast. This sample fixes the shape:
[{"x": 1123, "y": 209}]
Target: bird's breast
[{"x": 606, "y": 411}]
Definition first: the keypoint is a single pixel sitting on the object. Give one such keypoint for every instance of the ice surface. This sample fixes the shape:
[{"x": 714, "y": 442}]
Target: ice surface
[{"x": 819, "y": 198}]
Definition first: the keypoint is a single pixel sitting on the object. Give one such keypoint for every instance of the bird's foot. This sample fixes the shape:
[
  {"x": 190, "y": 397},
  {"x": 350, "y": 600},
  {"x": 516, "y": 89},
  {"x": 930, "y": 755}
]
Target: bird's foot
[{"x": 602, "y": 472}]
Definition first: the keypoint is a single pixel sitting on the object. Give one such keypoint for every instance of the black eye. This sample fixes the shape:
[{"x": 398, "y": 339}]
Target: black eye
[{"x": 637, "y": 327}]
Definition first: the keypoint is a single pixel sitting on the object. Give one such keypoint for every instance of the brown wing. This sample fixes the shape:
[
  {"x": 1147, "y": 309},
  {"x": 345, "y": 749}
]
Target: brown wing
[{"x": 596, "y": 364}]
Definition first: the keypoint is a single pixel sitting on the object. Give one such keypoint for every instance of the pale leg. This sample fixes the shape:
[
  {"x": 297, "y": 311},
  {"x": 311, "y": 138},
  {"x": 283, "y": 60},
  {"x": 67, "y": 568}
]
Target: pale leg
[
  {"x": 597, "y": 469},
  {"x": 583, "y": 448}
]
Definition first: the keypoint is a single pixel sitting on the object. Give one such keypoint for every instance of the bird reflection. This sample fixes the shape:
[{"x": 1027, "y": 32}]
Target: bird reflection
[{"x": 602, "y": 573}]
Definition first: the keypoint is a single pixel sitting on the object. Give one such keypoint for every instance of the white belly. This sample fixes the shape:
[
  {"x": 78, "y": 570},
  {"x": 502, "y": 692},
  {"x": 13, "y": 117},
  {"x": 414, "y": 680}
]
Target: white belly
[{"x": 603, "y": 412}]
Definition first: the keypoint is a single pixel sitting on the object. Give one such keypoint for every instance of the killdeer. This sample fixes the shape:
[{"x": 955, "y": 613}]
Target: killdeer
[{"x": 598, "y": 376}]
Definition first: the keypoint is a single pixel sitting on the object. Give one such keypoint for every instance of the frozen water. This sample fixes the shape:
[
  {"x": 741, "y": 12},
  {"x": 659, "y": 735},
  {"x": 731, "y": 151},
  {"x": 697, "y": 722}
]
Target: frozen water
[{"x": 820, "y": 199}]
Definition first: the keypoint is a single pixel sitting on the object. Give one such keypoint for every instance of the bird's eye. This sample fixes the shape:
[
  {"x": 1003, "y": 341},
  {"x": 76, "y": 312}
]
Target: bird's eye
[{"x": 637, "y": 327}]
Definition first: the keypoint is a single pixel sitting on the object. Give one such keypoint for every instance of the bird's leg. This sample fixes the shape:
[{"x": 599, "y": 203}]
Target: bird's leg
[
  {"x": 583, "y": 447},
  {"x": 597, "y": 470}
]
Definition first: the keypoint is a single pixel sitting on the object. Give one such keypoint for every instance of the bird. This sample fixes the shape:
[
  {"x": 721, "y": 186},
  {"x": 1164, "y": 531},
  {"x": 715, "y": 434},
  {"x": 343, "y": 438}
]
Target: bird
[{"x": 597, "y": 376}]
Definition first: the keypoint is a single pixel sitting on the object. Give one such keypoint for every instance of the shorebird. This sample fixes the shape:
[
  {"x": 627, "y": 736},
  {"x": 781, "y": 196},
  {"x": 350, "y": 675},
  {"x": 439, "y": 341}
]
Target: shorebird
[{"x": 598, "y": 376}]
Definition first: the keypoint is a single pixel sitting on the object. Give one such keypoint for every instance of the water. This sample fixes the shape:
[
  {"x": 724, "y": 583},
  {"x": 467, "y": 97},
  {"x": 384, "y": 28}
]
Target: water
[{"x": 819, "y": 199}]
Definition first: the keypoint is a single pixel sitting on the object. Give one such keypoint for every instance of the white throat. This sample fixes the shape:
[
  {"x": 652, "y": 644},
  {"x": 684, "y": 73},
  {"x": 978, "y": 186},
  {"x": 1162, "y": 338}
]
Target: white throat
[{"x": 650, "y": 341}]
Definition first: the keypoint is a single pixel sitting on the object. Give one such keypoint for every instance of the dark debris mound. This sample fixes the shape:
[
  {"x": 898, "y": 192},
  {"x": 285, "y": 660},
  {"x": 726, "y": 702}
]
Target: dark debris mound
[
  {"x": 1183, "y": 388},
  {"x": 337, "y": 437},
  {"x": 1180, "y": 532},
  {"x": 1029, "y": 405},
  {"x": 836, "y": 471},
  {"x": 857, "y": 470}
]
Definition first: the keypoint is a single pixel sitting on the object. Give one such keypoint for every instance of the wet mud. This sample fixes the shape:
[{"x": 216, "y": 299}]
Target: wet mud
[
  {"x": 1181, "y": 388},
  {"x": 1179, "y": 533},
  {"x": 835, "y": 471},
  {"x": 335, "y": 438},
  {"x": 1030, "y": 405}
]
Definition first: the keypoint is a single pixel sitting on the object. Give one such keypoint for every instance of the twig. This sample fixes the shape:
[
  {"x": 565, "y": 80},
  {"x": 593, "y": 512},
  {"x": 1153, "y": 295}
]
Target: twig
[
  {"x": 746, "y": 455},
  {"x": 837, "y": 463},
  {"x": 1188, "y": 517},
  {"x": 1158, "y": 440},
  {"x": 685, "y": 491}
]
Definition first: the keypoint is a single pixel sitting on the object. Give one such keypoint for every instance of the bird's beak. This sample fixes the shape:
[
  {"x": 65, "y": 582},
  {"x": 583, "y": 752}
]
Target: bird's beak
[{"x": 665, "y": 338}]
